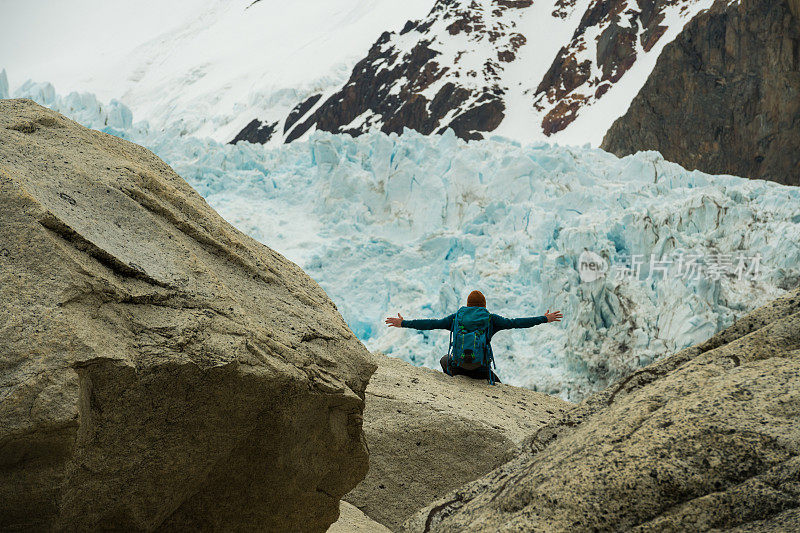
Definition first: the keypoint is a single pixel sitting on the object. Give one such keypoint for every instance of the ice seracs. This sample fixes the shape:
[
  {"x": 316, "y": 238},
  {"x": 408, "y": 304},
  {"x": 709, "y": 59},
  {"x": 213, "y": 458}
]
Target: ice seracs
[
  {"x": 411, "y": 223},
  {"x": 3, "y": 84}
]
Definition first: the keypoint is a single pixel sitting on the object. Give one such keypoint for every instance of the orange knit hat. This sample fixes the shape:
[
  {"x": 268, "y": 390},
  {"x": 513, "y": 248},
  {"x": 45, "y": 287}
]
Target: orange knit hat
[{"x": 476, "y": 299}]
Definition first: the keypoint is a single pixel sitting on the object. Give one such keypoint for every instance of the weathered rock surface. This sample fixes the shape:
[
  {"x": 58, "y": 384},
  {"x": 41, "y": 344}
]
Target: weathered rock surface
[
  {"x": 724, "y": 96},
  {"x": 794, "y": 6},
  {"x": 706, "y": 439},
  {"x": 352, "y": 520},
  {"x": 158, "y": 368},
  {"x": 429, "y": 433}
]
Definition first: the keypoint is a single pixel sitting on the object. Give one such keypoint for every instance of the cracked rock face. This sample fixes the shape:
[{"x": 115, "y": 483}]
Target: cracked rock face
[
  {"x": 706, "y": 439},
  {"x": 724, "y": 96},
  {"x": 158, "y": 368},
  {"x": 429, "y": 433}
]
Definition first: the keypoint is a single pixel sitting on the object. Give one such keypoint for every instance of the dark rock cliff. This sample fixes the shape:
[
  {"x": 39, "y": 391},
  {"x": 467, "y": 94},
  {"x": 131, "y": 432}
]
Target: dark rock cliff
[
  {"x": 724, "y": 97},
  {"x": 256, "y": 132}
]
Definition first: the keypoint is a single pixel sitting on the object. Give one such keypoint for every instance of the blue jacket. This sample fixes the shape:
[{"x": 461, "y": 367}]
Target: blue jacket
[{"x": 499, "y": 323}]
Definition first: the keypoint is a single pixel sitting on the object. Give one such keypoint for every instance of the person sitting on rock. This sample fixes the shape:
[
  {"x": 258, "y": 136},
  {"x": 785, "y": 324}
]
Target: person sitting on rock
[{"x": 470, "y": 339}]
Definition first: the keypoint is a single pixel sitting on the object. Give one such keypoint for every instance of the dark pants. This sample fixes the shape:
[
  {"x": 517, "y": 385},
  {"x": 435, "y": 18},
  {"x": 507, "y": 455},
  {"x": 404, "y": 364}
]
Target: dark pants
[{"x": 482, "y": 372}]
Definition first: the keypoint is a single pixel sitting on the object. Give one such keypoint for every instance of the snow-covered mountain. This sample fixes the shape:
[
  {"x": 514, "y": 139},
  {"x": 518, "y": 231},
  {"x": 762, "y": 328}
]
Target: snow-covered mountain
[
  {"x": 271, "y": 71},
  {"x": 201, "y": 67},
  {"x": 723, "y": 97},
  {"x": 527, "y": 70}
]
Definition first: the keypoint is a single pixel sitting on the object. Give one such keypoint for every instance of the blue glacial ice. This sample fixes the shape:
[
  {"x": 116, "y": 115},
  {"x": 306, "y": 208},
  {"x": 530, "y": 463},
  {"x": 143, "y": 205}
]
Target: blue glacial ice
[
  {"x": 411, "y": 224},
  {"x": 3, "y": 84}
]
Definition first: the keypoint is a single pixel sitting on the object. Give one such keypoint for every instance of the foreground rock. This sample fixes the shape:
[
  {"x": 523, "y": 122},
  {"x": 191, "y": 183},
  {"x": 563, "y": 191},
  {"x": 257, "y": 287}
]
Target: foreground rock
[
  {"x": 158, "y": 368},
  {"x": 724, "y": 96},
  {"x": 708, "y": 438},
  {"x": 429, "y": 433},
  {"x": 352, "y": 520}
]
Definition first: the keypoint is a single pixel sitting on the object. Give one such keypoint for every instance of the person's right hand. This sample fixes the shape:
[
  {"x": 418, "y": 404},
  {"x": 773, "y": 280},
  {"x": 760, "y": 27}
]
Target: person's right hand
[
  {"x": 395, "y": 321},
  {"x": 555, "y": 316}
]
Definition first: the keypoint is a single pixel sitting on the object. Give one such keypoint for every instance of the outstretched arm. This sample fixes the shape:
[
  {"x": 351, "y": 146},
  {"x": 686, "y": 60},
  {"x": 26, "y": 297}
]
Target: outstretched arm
[
  {"x": 442, "y": 323},
  {"x": 501, "y": 322}
]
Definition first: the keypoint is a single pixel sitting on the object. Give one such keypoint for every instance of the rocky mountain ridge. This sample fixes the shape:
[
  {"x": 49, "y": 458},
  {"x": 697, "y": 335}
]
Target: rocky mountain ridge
[
  {"x": 724, "y": 97},
  {"x": 514, "y": 67}
]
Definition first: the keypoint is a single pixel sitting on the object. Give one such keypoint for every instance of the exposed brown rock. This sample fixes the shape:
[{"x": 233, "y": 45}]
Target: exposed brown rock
[
  {"x": 561, "y": 116},
  {"x": 563, "y": 8},
  {"x": 794, "y": 6},
  {"x": 158, "y": 368},
  {"x": 724, "y": 97},
  {"x": 706, "y": 439},
  {"x": 257, "y": 132},
  {"x": 568, "y": 84},
  {"x": 429, "y": 433},
  {"x": 564, "y": 76},
  {"x": 386, "y": 88},
  {"x": 300, "y": 110},
  {"x": 616, "y": 51},
  {"x": 514, "y": 4}
]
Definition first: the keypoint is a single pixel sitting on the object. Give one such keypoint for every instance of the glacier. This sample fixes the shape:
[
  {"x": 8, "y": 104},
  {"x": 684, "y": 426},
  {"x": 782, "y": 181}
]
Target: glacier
[{"x": 411, "y": 224}]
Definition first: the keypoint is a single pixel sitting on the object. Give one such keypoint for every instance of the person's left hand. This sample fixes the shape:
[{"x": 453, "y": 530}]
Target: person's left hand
[
  {"x": 555, "y": 316},
  {"x": 395, "y": 321}
]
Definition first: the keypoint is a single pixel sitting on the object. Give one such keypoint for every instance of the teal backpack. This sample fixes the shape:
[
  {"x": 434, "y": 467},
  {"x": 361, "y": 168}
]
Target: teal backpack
[{"x": 469, "y": 339}]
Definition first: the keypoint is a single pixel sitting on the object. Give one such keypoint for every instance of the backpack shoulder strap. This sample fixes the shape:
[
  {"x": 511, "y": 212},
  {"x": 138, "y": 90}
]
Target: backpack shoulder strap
[
  {"x": 490, "y": 353},
  {"x": 450, "y": 347},
  {"x": 452, "y": 329}
]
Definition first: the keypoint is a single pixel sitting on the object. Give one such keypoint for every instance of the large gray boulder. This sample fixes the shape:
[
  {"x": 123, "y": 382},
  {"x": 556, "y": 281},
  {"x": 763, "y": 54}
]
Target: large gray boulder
[
  {"x": 705, "y": 439},
  {"x": 429, "y": 433},
  {"x": 158, "y": 368}
]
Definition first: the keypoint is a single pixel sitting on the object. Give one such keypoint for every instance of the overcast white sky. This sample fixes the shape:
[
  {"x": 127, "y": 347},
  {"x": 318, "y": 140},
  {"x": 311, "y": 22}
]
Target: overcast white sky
[
  {"x": 212, "y": 64},
  {"x": 63, "y": 40}
]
